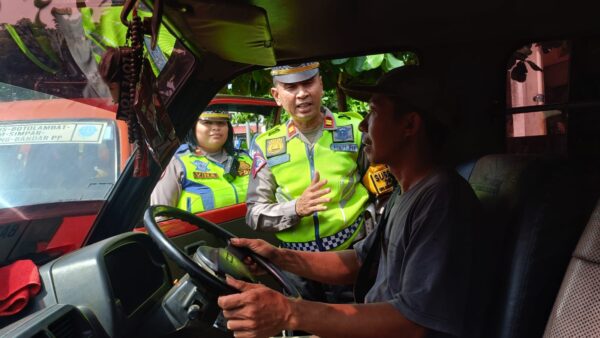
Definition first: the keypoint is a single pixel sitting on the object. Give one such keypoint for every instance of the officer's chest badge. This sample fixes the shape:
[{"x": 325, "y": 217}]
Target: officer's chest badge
[
  {"x": 276, "y": 146},
  {"x": 200, "y": 166},
  {"x": 244, "y": 169},
  {"x": 343, "y": 134}
]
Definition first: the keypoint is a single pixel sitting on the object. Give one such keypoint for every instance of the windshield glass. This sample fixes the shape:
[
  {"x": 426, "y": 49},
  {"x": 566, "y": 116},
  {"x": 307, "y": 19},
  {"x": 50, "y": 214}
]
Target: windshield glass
[
  {"x": 56, "y": 161},
  {"x": 61, "y": 147}
]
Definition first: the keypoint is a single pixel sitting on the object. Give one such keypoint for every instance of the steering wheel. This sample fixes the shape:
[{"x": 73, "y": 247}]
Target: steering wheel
[{"x": 202, "y": 272}]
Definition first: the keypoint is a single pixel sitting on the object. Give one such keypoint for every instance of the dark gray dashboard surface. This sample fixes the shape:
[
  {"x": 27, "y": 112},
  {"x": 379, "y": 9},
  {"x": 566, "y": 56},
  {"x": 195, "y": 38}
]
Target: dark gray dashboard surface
[{"x": 81, "y": 282}]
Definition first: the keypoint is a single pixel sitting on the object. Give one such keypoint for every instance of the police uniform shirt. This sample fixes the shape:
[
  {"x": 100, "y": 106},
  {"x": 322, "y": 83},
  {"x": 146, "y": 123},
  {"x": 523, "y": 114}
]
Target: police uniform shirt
[
  {"x": 264, "y": 212},
  {"x": 168, "y": 189}
]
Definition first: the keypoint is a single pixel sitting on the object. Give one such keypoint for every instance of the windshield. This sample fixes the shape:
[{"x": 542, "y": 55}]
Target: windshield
[
  {"x": 56, "y": 161},
  {"x": 61, "y": 147}
]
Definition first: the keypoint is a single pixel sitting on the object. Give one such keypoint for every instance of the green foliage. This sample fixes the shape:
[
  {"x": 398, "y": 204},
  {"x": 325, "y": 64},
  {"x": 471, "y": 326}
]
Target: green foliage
[
  {"x": 237, "y": 118},
  {"x": 330, "y": 101},
  {"x": 364, "y": 69},
  {"x": 257, "y": 83}
]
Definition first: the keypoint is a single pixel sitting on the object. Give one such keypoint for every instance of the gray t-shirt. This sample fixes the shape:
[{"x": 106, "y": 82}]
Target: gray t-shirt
[{"x": 427, "y": 253}]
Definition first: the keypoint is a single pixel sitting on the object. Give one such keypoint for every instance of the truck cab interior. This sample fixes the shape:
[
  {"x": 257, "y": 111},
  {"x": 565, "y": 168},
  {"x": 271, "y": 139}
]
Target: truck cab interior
[{"x": 527, "y": 140}]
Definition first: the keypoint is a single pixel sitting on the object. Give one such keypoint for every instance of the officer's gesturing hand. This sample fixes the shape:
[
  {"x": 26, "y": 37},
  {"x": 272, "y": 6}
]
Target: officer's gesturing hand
[{"x": 312, "y": 199}]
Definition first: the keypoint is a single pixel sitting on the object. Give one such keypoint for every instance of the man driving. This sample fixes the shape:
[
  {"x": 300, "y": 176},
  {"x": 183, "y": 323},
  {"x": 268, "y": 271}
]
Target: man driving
[{"x": 418, "y": 274}]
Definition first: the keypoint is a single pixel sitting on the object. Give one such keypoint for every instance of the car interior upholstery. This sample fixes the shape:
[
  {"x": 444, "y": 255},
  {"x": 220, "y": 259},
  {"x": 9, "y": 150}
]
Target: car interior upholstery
[
  {"x": 536, "y": 211},
  {"x": 575, "y": 312}
]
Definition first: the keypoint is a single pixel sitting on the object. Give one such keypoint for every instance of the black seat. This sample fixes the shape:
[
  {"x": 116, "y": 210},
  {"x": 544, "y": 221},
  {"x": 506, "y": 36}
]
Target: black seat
[{"x": 537, "y": 210}]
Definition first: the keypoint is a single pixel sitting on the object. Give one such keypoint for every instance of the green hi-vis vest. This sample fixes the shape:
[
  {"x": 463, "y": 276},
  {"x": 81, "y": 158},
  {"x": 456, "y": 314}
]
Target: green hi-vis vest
[
  {"x": 204, "y": 186},
  {"x": 334, "y": 156}
]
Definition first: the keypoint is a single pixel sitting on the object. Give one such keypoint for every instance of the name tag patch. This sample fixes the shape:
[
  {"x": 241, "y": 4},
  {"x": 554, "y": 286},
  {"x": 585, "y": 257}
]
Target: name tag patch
[
  {"x": 343, "y": 134},
  {"x": 201, "y": 175},
  {"x": 276, "y": 146},
  {"x": 273, "y": 161},
  {"x": 347, "y": 147}
]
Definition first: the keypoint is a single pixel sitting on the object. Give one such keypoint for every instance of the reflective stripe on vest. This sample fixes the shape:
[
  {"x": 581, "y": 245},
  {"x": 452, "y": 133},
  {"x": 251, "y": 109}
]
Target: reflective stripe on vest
[
  {"x": 205, "y": 188},
  {"x": 293, "y": 163},
  {"x": 330, "y": 242}
]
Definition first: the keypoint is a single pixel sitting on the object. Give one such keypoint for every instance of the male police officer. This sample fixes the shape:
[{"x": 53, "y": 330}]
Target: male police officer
[{"x": 305, "y": 182}]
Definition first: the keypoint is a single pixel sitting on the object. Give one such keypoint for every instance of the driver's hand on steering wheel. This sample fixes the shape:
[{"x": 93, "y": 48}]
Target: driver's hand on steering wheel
[
  {"x": 257, "y": 311},
  {"x": 260, "y": 247}
]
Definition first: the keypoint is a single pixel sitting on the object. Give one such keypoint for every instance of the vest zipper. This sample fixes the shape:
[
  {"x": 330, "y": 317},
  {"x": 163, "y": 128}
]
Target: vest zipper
[
  {"x": 237, "y": 200},
  {"x": 311, "y": 162}
]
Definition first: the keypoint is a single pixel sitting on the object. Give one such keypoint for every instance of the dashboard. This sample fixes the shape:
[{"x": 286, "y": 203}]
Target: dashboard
[{"x": 108, "y": 289}]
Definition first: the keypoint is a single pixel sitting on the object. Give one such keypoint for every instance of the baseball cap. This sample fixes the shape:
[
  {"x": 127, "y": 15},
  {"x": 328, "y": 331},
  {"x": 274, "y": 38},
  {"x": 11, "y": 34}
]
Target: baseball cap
[
  {"x": 413, "y": 85},
  {"x": 295, "y": 73},
  {"x": 214, "y": 116}
]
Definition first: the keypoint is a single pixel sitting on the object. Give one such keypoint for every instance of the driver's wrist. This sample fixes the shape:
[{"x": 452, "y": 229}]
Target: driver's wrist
[
  {"x": 285, "y": 259},
  {"x": 278, "y": 257},
  {"x": 293, "y": 317}
]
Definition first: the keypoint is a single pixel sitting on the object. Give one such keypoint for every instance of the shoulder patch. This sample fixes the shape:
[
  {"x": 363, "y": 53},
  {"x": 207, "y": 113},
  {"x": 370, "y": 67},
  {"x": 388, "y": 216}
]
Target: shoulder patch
[{"x": 258, "y": 162}]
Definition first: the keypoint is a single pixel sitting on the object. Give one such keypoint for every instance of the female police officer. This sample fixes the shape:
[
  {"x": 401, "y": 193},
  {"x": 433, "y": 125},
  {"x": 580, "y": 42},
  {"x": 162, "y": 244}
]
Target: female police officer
[{"x": 207, "y": 172}]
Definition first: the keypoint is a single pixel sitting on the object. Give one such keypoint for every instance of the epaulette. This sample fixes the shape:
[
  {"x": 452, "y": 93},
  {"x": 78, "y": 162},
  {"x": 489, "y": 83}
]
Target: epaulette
[
  {"x": 182, "y": 149},
  {"x": 350, "y": 115},
  {"x": 267, "y": 134},
  {"x": 273, "y": 130}
]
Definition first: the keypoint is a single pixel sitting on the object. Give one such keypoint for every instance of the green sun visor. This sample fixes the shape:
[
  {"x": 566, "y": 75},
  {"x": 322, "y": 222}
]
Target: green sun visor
[{"x": 234, "y": 31}]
